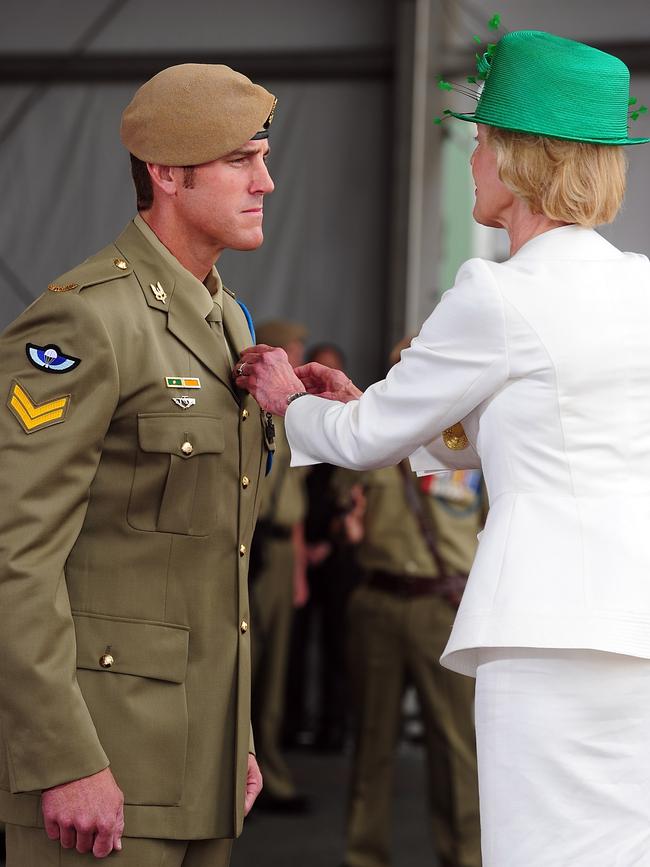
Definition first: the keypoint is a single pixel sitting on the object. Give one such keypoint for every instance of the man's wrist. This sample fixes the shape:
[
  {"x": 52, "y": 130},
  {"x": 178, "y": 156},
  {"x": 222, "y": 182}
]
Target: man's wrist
[{"x": 295, "y": 396}]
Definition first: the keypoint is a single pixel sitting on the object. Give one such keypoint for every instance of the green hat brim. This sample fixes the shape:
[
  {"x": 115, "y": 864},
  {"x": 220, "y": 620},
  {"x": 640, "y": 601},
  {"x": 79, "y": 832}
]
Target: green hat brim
[{"x": 621, "y": 141}]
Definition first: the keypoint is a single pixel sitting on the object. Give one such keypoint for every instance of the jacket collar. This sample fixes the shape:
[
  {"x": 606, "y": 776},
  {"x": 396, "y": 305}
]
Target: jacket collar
[
  {"x": 183, "y": 299},
  {"x": 567, "y": 242}
]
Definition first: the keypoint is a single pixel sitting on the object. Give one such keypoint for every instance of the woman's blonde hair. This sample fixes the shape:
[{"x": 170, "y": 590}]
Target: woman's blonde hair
[{"x": 570, "y": 181}]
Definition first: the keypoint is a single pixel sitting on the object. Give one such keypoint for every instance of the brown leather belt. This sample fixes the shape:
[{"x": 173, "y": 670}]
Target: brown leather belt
[{"x": 403, "y": 585}]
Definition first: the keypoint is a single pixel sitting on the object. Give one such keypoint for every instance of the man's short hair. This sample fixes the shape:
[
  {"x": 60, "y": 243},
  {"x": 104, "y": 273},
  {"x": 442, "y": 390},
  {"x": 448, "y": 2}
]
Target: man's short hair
[{"x": 144, "y": 186}]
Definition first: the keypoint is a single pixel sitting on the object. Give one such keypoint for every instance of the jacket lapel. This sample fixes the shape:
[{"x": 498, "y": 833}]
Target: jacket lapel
[
  {"x": 187, "y": 325},
  {"x": 183, "y": 306}
]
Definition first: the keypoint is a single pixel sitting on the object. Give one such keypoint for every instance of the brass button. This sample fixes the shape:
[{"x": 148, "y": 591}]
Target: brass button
[
  {"x": 245, "y": 481},
  {"x": 187, "y": 448},
  {"x": 242, "y": 550},
  {"x": 243, "y": 627},
  {"x": 106, "y": 660},
  {"x": 244, "y": 414},
  {"x": 121, "y": 264}
]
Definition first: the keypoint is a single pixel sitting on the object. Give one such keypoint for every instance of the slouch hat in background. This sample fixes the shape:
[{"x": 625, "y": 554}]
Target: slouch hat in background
[
  {"x": 543, "y": 84},
  {"x": 280, "y": 332},
  {"x": 195, "y": 113}
]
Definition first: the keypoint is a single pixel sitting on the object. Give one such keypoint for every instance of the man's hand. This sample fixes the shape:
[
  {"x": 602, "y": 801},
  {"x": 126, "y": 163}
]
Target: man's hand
[
  {"x": 326, "y": 382},
  {"x": 86, "y": 814},
  {"x": 318, "y": 552},
  {"x": 265, "y": 372},
  {"x": 253, "y": 783}
]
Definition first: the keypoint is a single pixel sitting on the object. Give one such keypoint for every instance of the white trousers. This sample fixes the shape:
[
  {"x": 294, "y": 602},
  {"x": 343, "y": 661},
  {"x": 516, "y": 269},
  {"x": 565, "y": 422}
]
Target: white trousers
[{"x": 563, "y": 743}]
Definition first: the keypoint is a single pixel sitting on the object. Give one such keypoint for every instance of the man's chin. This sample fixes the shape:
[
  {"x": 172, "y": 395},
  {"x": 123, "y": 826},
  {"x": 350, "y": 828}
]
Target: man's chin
[{"x": 252, "y": 242}]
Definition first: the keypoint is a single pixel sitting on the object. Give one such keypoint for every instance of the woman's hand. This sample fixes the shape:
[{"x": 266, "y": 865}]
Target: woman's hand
[
  {"x": 326, "y": 382},
  {"x": 265, "y": 372}
]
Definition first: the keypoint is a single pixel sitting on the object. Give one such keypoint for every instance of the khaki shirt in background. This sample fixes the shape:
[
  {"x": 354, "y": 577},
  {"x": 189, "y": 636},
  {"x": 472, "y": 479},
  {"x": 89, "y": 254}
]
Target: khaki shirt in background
[{"x": 393, "y": 540}]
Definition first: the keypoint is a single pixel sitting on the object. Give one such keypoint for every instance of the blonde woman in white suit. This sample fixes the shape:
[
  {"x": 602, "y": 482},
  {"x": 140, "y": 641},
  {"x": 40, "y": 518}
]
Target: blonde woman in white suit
[{"x": 538, "y": 370}]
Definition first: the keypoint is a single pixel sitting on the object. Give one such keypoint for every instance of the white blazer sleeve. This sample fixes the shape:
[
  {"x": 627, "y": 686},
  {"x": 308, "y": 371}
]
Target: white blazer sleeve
[{"x": 458, "y": 359}]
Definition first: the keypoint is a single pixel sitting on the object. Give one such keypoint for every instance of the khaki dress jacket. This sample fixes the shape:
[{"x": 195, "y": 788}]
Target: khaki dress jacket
[{"x": 129, "y": 490}]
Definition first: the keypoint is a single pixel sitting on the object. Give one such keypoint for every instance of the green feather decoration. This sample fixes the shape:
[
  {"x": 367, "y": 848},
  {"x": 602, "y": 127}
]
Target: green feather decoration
[
  {"x": 439, "y": 120},
  {"x": 483, "y": 65}
]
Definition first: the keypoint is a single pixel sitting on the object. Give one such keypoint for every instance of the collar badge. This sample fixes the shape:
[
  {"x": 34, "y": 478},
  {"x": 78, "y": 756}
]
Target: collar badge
[{"x": 159, "y": 292}]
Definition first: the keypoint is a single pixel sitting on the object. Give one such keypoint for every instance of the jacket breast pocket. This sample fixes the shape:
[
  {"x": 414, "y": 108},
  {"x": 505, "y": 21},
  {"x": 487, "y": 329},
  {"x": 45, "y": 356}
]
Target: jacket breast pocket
[
  {"x": 132, "y": 676},
  {"x": 176, "y": 477}
]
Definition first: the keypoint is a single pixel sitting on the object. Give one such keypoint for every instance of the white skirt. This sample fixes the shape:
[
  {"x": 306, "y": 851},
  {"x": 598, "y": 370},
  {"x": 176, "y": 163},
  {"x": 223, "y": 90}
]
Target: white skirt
[{"x": 563, "y": 741}]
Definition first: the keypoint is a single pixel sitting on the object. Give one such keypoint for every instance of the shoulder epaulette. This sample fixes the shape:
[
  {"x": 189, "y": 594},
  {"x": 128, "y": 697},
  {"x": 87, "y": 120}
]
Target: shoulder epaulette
[
  {"x": 104, "y": 266},
  {"x": 230, "y": 292}
]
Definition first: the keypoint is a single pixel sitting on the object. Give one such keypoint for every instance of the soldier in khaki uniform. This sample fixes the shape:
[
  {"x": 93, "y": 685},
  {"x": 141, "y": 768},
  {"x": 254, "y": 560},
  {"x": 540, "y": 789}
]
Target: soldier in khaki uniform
[
  {"x": 397, "y": 628},
  {"x": 130, "y": 491},
  {"x": 278, "y": 583}
]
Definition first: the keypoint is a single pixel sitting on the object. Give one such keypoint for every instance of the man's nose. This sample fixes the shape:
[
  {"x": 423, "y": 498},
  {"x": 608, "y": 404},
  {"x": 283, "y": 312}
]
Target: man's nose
[{"x": 263, "y": 182}]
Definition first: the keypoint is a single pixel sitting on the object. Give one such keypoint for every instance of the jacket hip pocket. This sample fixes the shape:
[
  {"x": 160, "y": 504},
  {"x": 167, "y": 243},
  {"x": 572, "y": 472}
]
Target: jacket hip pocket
[
  {"x": 132, "y": 676},
  {"x": 176, "y": 477}
]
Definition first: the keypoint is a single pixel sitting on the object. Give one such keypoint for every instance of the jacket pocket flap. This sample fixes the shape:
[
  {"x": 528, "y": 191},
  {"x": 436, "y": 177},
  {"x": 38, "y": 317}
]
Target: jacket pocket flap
[
  {"x": 185, "y": 436},
  {"x": 139, "y": 647}
]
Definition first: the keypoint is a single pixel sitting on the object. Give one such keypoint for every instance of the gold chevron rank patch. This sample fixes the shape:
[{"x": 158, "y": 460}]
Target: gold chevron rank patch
[{"x": 34, "y": 416}]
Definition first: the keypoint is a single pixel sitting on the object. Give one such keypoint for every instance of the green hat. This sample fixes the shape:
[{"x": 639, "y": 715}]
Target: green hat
[{"x": 545, "y": 85}]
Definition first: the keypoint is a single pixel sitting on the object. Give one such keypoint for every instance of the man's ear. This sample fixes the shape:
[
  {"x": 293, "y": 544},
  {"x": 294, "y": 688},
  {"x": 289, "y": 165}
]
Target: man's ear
[{"x": 164, "y": 178}]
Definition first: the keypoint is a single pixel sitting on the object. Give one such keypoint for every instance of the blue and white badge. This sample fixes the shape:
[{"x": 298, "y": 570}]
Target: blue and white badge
[{"x": 51, "y": 358}]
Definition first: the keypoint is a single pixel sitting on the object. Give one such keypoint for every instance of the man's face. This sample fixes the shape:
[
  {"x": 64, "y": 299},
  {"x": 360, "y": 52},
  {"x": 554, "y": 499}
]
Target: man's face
[
  {"x": 329, "y": 357},
  {"x": 224, "y": 205}
]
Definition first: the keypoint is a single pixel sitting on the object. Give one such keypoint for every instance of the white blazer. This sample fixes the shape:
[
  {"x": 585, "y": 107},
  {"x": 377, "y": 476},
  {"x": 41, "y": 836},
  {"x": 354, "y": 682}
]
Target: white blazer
[{"x": 546, "y": 361}]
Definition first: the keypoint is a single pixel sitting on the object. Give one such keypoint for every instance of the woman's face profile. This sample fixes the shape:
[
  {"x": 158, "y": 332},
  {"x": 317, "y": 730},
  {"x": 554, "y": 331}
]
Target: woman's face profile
[{"x": 493, "y": 198}]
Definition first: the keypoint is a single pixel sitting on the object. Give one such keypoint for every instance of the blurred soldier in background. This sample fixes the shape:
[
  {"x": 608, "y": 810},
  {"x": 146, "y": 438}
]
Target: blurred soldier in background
[
  {"x": 278, "y": 581},
  {"x": 418, "y": 543},
  {"x": 332, "y": 575}
]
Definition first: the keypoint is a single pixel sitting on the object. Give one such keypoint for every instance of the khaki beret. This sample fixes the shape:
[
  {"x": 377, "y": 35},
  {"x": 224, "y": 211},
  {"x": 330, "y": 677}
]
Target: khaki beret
[
  {"x": 280, "y": 332},
  {"x": 194, "y": 113}
]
